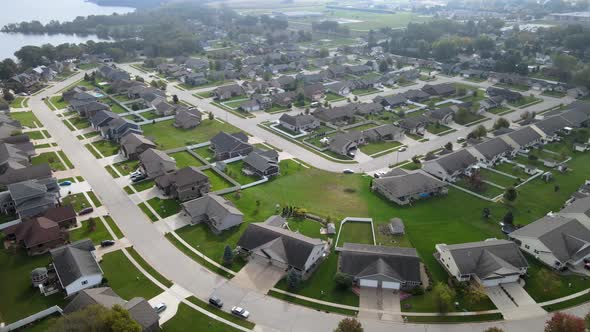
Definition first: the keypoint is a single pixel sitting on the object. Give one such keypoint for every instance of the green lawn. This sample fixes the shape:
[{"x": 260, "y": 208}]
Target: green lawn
[
  {"x": 77, "y": 201},
  {"x": 106, "y": 147},
  {"x": 167, "y": 136},
  {"x": 436, "y": 128},
  {"x": 27, "y": 119},
  {"x": 184, "y": 159},
  {"x": 94, "y": 199},
  {"x": 216, "y": 180},
  {"x": 37, "y": 134},
  {"x": 165, "y": 207},
  {"x": 144, "y": 185},
  {"x": 122, "y": 98},
  {"x": 127, "y": 166},
  {"x": 125, "y": 279},
  {"x": 116, "y": 108},
  {"x": 498, "y": 179},
  {"x": 111, "y": 171},
  {"x": 97, "y": 234},
  {"x": 19, "y": 102},
  {"x": 544, "y": 284},
  {"x": 333, "y": 97},
  {"x": 58, "y": 102},
  {"x": 518, "y": 87},
  {"x": 234, "y": 170},
  {"x": 373, "y": 148},
  {"x": 485, "y": 190},
  {"x": 469, "y": 118},
  {"x": 66, "y": 160},
  {"x": 223, "y": 314},
  {"x": 150, "y": 270},
  {"x": 114, "y": 227},
  {"x": 362, "y": 92},
  {"x": 19, "y": 298},
  {"x": 555, "y": 94},
  {"x": 147, "y": 212},
  {"x": 206, "y": 153},
  {"x": 187, "y": 319},
  {"x": 355, "y": 232},
  {"x": 79, "y": 123},
  {"x": 525, "y": 101},
  {"x": 365, "y": 21},
  {"x": 49, "y": 158}
]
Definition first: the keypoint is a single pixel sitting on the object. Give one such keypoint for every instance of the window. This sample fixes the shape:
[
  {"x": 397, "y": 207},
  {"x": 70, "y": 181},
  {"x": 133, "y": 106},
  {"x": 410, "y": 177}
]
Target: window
[
  {"x": 85, "y": 282},
  {"x": 527, "y": 246}
]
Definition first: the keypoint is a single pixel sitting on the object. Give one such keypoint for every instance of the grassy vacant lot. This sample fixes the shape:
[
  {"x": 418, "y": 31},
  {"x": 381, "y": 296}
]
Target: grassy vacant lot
[
  {"x": 216, "y": 180},
  {"x": 27, "y": 119},
  {"x": 167, "y": 136},
  {"x": 77, "y": 201},
  {"x": 125, "y": 279},
  {"x": 369, "y": 20},
  {"x": 49, "y": 158},
  {"x": 19, "y": 298},
  {"x": 165, "y": 207},
  {"x": 184, "y": 159},
  {"x": 97, "y": 234},
  {"x": 187, "y": 318},
  {"x": 355, "y": 232}
]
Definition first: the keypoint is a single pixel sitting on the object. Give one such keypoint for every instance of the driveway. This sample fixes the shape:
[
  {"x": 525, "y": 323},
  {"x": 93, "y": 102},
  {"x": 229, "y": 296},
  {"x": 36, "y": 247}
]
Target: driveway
[
  {"x": 379, "y": 299},
  {"x": 258, "y": 275},
  {"x": 514, "y": 302}
]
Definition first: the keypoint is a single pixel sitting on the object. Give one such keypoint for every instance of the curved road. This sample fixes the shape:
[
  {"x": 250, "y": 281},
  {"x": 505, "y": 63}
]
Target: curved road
[{"x": 270, "y": 314}]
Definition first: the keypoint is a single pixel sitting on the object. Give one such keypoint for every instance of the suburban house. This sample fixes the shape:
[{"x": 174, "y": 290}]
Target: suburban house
[
  {"x": 391, "y": 101},
  {"x": 227, "y": 92},
  {"x": 365, "y": 109},
  {"x": 155, "y": 163},
  {"x": 30, "y": 198},
  {"x": 380, "y": 266},
  {"x": 36, "y": 172},
  {"x": 416, "y": 95},
  {"x": 188, "y": 118},
  {"x": 407, "y": 188},
  {"x": 139, "y": 309},
  {"x": 449, "y": 167},
  {"x": 215, "y": 211},
  {"x": 112, "y": 126},
  {"x": 313, "y": 92},
  {"x": 76, "y": 266},
  {"x": 299, "y": 123},
  {"x": 338, "y": 88},
  {"x": 387, "y": 132},
  {"x": 132, "y": 145},
  {"x": 337, "y": 116},
  {"x": 226, "y": 146},
  {"x": 491, "y": 262},
  {"x": 557, "y": 241},
  {"x": 88, "y": 109},
  {"x": 442, "y": 90},
  {"x": 262, "y": 163},
  {"x": 37, "y": 236},
  {"x": 490, "y": 152},
  {"x": 283, "y": 99},
  {"x": 184, "y": 184},
  {"x": 442, "y": 116},
  {"x": 346, "y": 144},
  {"x": 551, "y": 127},
  {"x": 415, "y": 125},
  {"x": 523, "y": 138},
  {"x": 505, "y": 94},
  {"x": 111, "y": 73},
  {"x": 281, "y": 247}
]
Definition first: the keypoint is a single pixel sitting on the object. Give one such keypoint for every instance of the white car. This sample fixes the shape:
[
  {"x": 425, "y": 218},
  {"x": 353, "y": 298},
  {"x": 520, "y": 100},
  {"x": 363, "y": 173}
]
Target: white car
[
  {"x": 160, "y": 307},
  {"x": 241, "y": 312},
  {"x": 402, "y": 149}
]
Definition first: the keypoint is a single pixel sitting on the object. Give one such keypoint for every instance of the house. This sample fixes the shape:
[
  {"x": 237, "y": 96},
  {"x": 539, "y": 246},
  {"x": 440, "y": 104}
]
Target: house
[
  {"x": 155, "y": 163},
  {"x": 365, "y": 109},
  {"x": 88, "y": 109},
  {"x": 415, "y": 125},
  {"x": 346, "y": 144},
  {"x": 490, "y": 152},
  {"x": 22, "y": 82},
  {"x": 227, "y": 92},
  {"x": 184, "y": 184},
  {"x": 380, "y": 266},
  {"x": 441, "y": 90},
  {"x": 14, "y": 175},
  {"x": 250, "y": 106},
  {"x": 442, "y": 116},
  {"x": 387, "y": 132},
  {"x": 139, "y": 309},
  {"x": 76, "y": 266},
  {"x": 284, "y": 99},
  {"x": 338, "y": 88},
  {"x": 299, "y": 123},
  {"x": 118, "y": 128},
  {"x": 30, "y": 198},
  {"x": 281, "y": 247},
  {"x": 37, "y": 235},
  {"x": 261, "y": 163},
  {"x": 112, "y": 74},
  {"x": 577, "y": 92},
  {"x": 557, "y": 241},
  {"x": 508, "y": 95},
  {"x": 188, "y": 118},
  {"x": 336, "y": 71},
  {"x": 358, "y": 70},
  {"x": 391, "y": 101},
  {"x": 314, "y": 92},
  {"x": 215, "y": 211},
  {"x": 491, "y": 262},
  {"x": 132, "y": 145},
  {"x": 551, "y": 127},
  {"x": 451, "y": 166},
  {"x": 416, "y": 95},
  {"x": 64, "y": 216},
  {"x": 226, "y": 146},
  {"x": 337, "y": 116},
  {"x": 523, "y": 138},
  {"x": 407, "y": 188}
]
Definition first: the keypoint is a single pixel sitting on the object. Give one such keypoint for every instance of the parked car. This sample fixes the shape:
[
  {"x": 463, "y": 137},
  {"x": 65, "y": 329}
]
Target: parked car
[
  {"x": 215, "y": 301},
  {"x": 240, "y": 312},
  {"x": 86, "y": 211},
  {"x": 587, "y": 266},
  {"x": 65, "y": 183},
  {"x": 348, "y": 171},
  {"x": 107, "y": 243},
  {"x": 160, "y": 307},
  {"x": 138, "y": 178},
  {"x": 402, "y": 149}
]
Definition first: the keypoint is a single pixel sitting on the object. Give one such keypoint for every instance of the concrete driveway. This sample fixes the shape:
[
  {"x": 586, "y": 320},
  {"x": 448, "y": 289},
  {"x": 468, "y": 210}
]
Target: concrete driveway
[
  {"x": 258, "y": 275},
  {"x": 514, "y": 302},
  {"x": 379, "y": 299}
]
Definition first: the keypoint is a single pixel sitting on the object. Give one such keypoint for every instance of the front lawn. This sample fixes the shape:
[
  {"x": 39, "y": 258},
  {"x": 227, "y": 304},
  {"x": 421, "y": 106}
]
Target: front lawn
[
  {"x": 97, "y": 233},
  {"x": 468, "y": 118},
  {"x": 355, "y": 232},
  {"x": 19, "y": 102},
  {"x": 544, "y": 284},
  {"x": 126, "y": 280},
  {"x": 144, "y": 185},
  {"x": 147, "y": 212},
  {"x": 330, "y": 96},
  {"x": 435, "y": 128},
  {"x": 26, "y": 119},
  {"x": 79, "y": 123},
  {"x": 127, "y": 166},
  {"x": 362, "y": 92},
  {"x": 77, "y": 201},
  {"x": 526, "y": 101},
  {"x": 373, "y": 148},
  {"x": 500, "y": 110},
  {"x": 58, "y": 102},
  {"x": 50, "y": 158},
  {"x": 216, "y": 180},
  {"x": 184, "y": 159},
  {"x": 234, "y": 170},
  {"x": 187, "y": 319},
  {"x": 107, "y": 148},
  {"x": 167, "y": 136},
  {"x": 165, "y": 207}
]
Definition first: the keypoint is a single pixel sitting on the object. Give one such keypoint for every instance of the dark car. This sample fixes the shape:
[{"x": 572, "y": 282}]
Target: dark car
[
  {"x": 86, "y": 211},
  {"x": 138, "y": 178},
  {"x": 107, "y": 243},
  {"x": 215, "y": 301}
]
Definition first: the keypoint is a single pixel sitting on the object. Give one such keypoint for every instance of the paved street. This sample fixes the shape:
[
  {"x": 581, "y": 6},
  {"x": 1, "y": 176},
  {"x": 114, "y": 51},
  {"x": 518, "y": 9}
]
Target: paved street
[{"x": 269, "y": 313}]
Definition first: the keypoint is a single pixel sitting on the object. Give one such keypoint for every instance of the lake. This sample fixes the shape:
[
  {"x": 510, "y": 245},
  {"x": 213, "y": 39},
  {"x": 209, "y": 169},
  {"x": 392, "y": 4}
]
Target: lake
[{"x": 45, "y": 11}]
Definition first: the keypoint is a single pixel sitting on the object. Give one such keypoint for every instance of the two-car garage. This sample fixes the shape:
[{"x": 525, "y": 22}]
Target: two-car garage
[{"x": 374, "y": 283}]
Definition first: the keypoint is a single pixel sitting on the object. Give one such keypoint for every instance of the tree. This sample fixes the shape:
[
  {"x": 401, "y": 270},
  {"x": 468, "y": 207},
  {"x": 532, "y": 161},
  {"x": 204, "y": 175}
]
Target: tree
[
  {"x": 8, "y": 96},
  {"x": 175, "y": 99},
  {"x": 97, "y": 318},
  {"x": 343, "y": 280},
  {"x": 501, "y": 123},
  {"x": 349, "y": 325},
  {"x": 228, "y": 255},
  {"x": 508, "y": 218},
  {"x": 324, "y": 52},
  {"x": 510, "y": 194},
  {"x": 449, "y": 146},
  {"x": 383, "y": 66},
  {"x": 91, "y": 224},
  {"x": 443, "y": 296},
  {"x": 211, "y": 116},
  {"x": 562, "y": 322},
  {"x": 475, "y": 293},
  {"x": 293, "y": 279}
]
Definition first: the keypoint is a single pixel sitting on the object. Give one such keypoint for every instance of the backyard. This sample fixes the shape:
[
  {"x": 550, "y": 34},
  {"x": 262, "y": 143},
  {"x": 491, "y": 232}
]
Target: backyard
[
  {"x": 184, "y": 159},
  {"x": 234, "y": 170},
  {"x": 216, "y": 180},
  {"x": 355, "y": 232},
  {"x": 167, "y": 136}
]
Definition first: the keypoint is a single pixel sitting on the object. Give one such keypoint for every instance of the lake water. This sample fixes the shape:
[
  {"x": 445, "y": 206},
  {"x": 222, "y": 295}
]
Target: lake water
[{"x": 15, "y": 11}]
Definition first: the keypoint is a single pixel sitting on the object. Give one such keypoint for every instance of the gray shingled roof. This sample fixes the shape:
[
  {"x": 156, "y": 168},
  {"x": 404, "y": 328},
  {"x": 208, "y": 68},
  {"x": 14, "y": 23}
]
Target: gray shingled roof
[
  {"x": 214, "y": 206},
  {"x": 361, "y": 260},
  {"x": 581, "y": 206},
  {"x": 493, "y": 148},
  {"x": 524, "y": 136},
  {"x": 409, "y": 184},
  {"x": 74, "y": 261},
  {"x": 456, "y": 161},
  {"x": 551, "y": 125}
]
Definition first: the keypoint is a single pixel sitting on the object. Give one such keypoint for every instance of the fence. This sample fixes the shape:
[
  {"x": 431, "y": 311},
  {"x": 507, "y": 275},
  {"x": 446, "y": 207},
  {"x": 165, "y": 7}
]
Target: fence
[{"x": 32, "y": 318}]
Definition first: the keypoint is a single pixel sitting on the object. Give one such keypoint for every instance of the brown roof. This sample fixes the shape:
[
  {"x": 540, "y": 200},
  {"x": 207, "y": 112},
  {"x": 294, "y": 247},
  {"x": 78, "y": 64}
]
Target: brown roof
[
  {"x": 35, "y": 231},
  {"x": 60, "y": 213}
]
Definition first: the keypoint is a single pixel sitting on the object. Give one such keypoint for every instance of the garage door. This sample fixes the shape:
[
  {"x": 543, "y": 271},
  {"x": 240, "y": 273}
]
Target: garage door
[
  {"x": 390, "y": 285},
  {"x": 496, "y": 282},
  {"x": 368, "y": 283}
]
